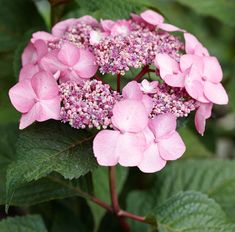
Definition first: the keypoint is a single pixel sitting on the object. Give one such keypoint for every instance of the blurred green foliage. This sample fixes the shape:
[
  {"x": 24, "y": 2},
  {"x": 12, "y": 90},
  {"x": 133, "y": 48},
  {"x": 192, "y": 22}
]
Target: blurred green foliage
[{"x": 201, "y": 186}]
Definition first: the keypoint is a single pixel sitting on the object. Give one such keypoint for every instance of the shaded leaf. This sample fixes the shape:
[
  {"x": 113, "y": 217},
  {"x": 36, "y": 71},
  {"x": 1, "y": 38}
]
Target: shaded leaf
[
  {"x": 48, "y": 147},
  {"x": 31, "y": 223}
]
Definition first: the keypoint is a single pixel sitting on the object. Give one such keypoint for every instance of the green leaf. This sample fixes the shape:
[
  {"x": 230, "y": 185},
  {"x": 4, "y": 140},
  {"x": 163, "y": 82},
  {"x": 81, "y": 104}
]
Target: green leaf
[
  {"x": 101, "y": 189},
  {"x": 50, "y": 147},
  {"x": 48, "y": 188},
  {"x": 220, "y": 9},
  {"x": 31, "y": 223},
  {"x": 107, "y": 9},
  {"x": 216, "y": 178},
  {"x": 9, "y": 134},
  {"x": 190, "y": 211}
]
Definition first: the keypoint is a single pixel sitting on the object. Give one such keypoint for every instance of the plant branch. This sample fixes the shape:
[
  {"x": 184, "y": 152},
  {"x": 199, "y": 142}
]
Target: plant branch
[
  {"x": 142, "y": 73},
  {"x": 113, "y": 193}
]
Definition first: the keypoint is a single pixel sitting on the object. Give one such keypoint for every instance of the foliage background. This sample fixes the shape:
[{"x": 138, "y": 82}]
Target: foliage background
[{"x": 189, "y": 194}]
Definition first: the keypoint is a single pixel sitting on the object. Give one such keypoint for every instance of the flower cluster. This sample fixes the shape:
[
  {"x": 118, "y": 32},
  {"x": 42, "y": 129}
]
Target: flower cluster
[{"x": 59, "y": 80}]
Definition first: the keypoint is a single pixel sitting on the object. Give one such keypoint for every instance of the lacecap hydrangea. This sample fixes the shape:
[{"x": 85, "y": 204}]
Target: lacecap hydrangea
[{"x": 62, "y": 79}]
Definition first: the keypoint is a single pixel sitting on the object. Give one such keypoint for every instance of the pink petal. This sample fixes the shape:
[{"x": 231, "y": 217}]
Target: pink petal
[
  {"x": 50, "y": 109},
  {"x": 148, "y": 103},
  {"x": 22, "y": 96},
  {"x": 212, "y": 69},
  {"x": 107, "y": 25},
  {"x": 86, "y": 66},
  {"x": 42, "y": 35},
  {"x": 216, "y": 93},
  {"x": 163, "y": 125},
  {"x": 137, "y": 18},
  {"x": 89, "y": 20},
  {"x": 51, "y": 64},
  {"x": 28, "y": 71},
  {"x": 171, "y": 148},
  {"x": 193, "y": 46},
  {"x": 195, "y": 86},
  {"x": 130, "y": 148},
  {"x": 186, "y": 61},
  {"x": 152, "y": 17},
  {"x": 169, "y": 27},
  {"x": 166, "y": 65},
  {"x": 175, "y": 80},
  {"x": 152, "y": 161},
  {"x": 41, "y": 48},
  {"x": 202, "y": 113},
  {"x": 44, "y": 85},
  {"x": 29, "y": 117},
  {"x": 132, "y": 91},
  {"x": 104, "y": 147},
  {"x": 149, "y": 136},
  {"x": 29, "y": 55},
  {"x": 59, "y": 28},
  {"x": 69, "y": 54},
  {"x": 149, "y": 87},
  {"x": 130, "y": 116}
]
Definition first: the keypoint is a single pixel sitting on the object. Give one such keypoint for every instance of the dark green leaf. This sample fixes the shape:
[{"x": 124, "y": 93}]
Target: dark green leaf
[
  {"x": 48, "y": 147},
  {"x": 216, "y": 178},
  {"x": 31, "y": 223},
  {"x": 191, "y": 211}
]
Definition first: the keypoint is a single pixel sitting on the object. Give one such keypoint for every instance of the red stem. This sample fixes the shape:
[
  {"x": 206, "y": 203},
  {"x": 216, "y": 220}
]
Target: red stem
[
  {"x": 142, "y": 73},
  {"x": 123, "y": 213},
  {"x": 113, "y": 193}
]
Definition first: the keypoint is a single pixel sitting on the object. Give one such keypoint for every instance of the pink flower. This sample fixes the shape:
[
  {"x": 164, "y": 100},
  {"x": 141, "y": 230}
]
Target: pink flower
[
  {"x": 200, "y": 75},
  {"x": 126, "y": 143},
  {"x": 193, "y": 46},
  {"x": 74, "y": 64},
  {"x": 42, "y": 35},
  {"x": 203, "y": 79},
  {"x": 164, "y": 143},
  {"x": 155, "y": 19},
  {"x": 36, "y": 98},
  {"x": 31, "y": 57},
  {"x": 132, "y": 91},
  {"x": 120, "y": 27},
  {"x": 170, "y": 70},
  {"x": 148, "y": 87},
  {"x": 34, "y": 52},
  {"x": 203, "y": 113}
]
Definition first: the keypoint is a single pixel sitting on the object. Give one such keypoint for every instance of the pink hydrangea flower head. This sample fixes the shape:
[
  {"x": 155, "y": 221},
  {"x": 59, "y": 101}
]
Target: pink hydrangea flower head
[
  {"x": 203, "y": 112},
  {"x": 74, "y": 63},
  {"x": 96, "y": 36},
  {"x": 42, "y": 101},
  {"x": 124, "y": 145},
  {"x": 166, "y": 143}
]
